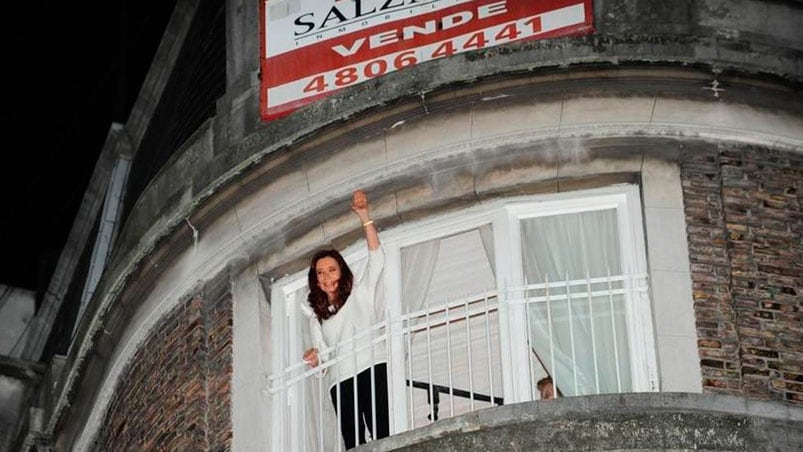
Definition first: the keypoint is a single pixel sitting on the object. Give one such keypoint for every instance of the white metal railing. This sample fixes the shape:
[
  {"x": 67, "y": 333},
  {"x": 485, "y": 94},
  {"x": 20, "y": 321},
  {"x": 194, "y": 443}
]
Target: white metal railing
[
  {"x": 576, "y": 332},
  {"x": 581, "y": 333},
  {"x": 452, "y": 352}
]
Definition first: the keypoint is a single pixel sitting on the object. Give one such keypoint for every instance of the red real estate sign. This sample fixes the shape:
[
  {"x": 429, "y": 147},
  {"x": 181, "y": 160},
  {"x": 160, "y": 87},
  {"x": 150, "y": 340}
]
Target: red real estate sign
[{"x": 313, "y": 48}]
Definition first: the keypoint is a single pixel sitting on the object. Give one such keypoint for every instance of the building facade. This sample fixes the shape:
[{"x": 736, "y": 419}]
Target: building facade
[{"x": 645, "y": 172}]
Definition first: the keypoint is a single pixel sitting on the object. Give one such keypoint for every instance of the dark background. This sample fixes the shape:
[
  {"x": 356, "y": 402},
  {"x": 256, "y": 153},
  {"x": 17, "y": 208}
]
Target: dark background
[{"x": 71, "y": 69}]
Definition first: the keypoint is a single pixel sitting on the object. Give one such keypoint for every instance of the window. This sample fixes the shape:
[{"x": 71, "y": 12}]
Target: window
[
  {"x": 449, "y": 301},
  {"x": 483, "y": 303},
  {"x": 583, "y": 270}
]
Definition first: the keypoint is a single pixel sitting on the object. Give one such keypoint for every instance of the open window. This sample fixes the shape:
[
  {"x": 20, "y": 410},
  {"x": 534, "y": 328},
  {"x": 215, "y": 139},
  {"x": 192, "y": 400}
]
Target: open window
[
  {"x": 482, "y": 304},
  {"x": 450, "y": 308}
]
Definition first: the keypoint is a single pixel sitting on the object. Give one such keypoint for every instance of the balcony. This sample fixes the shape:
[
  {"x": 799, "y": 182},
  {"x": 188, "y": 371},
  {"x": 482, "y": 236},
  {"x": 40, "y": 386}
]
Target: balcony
[
  {"x": 652, "y": 421},
  {"x": 485, "y": 351}
]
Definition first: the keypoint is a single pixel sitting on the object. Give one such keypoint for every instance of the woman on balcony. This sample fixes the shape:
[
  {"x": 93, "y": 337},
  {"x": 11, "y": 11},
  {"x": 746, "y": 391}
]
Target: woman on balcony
[{"x": 346, "y": 310}]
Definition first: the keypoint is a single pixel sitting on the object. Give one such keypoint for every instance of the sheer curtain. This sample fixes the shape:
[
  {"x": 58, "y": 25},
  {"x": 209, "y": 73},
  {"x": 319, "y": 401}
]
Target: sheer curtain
[
  {"x": 456, "y": 268},
  {"x": 487, "y": 237},
  {"x": 587, "y": 337},
  {"x": 418, "y": 265}
]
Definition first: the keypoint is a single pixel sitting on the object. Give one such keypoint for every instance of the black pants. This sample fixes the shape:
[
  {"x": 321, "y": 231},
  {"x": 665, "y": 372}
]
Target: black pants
[{"x": 365, "y": 418}]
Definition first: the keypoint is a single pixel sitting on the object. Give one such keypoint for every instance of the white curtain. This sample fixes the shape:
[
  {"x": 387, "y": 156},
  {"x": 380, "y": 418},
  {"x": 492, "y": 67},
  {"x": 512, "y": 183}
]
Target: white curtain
[
  {"x": 434, "y": 271},
  {"x": 418, "y": 265},
  {"x": 588, "y": 339},
  {"x": 487, "y": 237}
]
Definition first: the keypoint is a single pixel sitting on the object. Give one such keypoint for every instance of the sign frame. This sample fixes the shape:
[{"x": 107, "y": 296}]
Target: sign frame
[{"x": 311, "y": 49}]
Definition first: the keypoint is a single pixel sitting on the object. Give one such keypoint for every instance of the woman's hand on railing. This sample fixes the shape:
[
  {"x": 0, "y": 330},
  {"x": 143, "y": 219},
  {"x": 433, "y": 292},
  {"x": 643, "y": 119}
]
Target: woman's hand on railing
[{"x": 311, "y": 357}]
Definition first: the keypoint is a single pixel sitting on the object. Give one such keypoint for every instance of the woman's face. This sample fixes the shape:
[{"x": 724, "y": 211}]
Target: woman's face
[{"x": 328, "y": 271}]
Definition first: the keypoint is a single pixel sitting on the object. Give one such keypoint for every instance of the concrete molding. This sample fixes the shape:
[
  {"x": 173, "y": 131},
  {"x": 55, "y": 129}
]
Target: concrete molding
[{"x": 642, "y": 421}]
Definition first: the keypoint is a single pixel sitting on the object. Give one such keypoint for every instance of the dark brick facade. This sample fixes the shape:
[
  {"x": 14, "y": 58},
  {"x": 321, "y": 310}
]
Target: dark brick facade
[
  {"x": 176, "y": 394},
  {"x": 744, "y": 225}
]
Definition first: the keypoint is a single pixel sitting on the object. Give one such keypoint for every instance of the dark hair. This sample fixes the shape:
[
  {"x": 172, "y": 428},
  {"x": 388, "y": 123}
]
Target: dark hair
[
  {"x": 548, "y": 380},
  {"x": 317, "y": 298},
  {"x": 543, "y": 382}
]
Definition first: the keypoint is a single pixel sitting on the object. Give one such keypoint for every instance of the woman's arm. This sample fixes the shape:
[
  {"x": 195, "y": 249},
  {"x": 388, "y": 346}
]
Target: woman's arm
[{"x": 359, "y": 205}]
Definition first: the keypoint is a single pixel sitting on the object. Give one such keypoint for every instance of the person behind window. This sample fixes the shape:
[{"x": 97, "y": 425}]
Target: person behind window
[
  {"x": 546, "y": 388},
  {"x": 346, "y": 309}
]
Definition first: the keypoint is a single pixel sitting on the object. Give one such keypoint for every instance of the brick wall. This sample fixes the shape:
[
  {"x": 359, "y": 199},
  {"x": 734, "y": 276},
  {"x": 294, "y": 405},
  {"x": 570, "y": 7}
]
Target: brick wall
[
  {"x": 744, "y": 225},
  {"x": 176, "y": 393}
]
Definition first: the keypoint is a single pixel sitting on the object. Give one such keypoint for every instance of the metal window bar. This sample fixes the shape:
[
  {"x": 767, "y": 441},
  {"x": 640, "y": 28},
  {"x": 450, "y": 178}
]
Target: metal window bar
[
  {"x": 613, "y": 328},
  {"x": 411, "y": 401},
  {"x": 593, "y": 334},
  {"x": 446, "y": 315},
  {"x": 624, "y": 285},
  {"x": 449, "y": 360},
  {"x": 532, "y": 353},
  {"x": 470, "y": 361},
  {"x": 489, "y": 351},
  {"x": 571, "y": 331},
  {"x": 429, "y": 364},
  {"x": 321, "y": 393},
  {"x": 551, "y": 338},
  {"x": 434, "y": 390}
]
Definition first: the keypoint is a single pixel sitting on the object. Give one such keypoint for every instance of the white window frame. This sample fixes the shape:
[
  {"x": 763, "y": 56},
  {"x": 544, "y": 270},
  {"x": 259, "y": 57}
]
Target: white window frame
[
  {"x": 626, "y": 200},
  {"x": 504, "y": 215}
]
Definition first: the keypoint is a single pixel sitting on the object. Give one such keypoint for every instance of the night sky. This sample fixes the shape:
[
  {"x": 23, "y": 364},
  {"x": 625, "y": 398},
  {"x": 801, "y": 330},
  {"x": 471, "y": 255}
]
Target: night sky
[{"x": 71, "y": 69}]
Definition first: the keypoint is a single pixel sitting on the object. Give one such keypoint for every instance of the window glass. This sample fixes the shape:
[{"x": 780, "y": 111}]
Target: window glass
[{"x": 576, "y": 308}]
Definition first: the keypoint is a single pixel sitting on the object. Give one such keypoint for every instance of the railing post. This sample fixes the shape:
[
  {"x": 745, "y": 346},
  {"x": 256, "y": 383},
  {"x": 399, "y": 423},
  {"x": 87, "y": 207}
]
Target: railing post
[
  {"x": 519, "y": 348},
  {"x": 396, "y": 369}
]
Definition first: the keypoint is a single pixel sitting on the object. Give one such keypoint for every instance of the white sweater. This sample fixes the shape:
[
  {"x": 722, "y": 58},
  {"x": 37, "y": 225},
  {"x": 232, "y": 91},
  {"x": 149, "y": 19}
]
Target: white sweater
[{"x": 345, "y": 336}]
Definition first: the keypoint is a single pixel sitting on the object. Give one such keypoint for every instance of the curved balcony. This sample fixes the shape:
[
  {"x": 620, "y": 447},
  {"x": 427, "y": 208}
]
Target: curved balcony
[
  {"x": 447, "y": 396},
  {"x": 450, "y": 359},
  {"x": 628, "y": 421}
]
